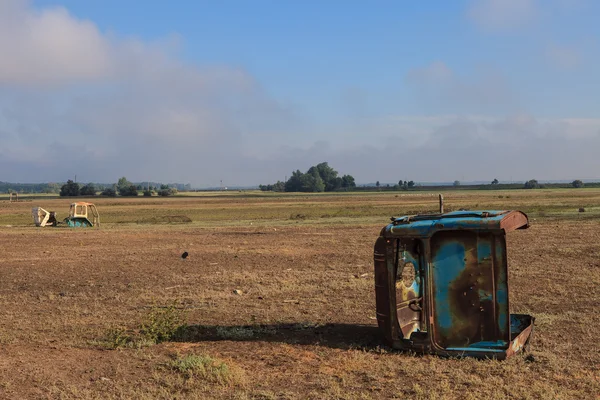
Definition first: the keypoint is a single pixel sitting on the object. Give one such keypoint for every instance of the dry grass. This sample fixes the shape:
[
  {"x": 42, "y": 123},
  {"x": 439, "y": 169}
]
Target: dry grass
[{"x": 302, "y": 324}]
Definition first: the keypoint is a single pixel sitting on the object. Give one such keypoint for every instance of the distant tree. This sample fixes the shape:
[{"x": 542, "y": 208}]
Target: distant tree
[
  {"x": 577, "y": 183},
  {"x": 329, "y": 176},
  {"x": 400, "y": 183},
  {"x": 348, "y": 181},
  {"x": 110, "y": 192},
  {"x": 294, "y": 184},
  {"x": 456, "y": 183},
  {"x": 129, "y": 191},
  {"x": 52, "y": 188},
  {"x": 312, "y": 181},
  {"x": 495, "y": 181},
  {"x": 126, "y": 188},
  {"x": 148, "y": 193},
  {"x": 123, "y": 184},
  {"x": 532, "y": 184},
  {"x": 279, "y": 187},
  {"x": 166, "y": 191},
  {"x": 70, "y": 189},
  {"x": 88, "y": 190},
  {"x": 410, "y": 184},
  {"x": 318, "y": 178},
  {"x": 377, "y": 183}
]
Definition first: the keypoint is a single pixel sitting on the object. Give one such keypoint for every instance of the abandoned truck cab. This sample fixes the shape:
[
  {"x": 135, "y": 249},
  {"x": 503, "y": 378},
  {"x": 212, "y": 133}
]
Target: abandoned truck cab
[{"x": 441, "y": 284}]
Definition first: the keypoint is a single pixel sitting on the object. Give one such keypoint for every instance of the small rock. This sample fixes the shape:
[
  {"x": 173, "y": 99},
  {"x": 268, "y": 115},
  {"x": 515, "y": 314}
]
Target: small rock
[
  {"x": 184, "y": 255},
  {"x": 237, "y": 291},
  {"x": 581, "y": 209}
]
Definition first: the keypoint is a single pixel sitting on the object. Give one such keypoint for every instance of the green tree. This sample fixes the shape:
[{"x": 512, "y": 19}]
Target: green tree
[
  {"x": 312, "y": 181},
  {"x": 294, "y": 184},
  {"x": 109, "y": 191},
  {"x": 348, "y": 181},
  {"x": 329, "y": 176},
  {"x": 168, "y": 191},
  {"x": 456, "y": 183},
  {"x": 377, "y": 183},
  {"x": 88, "y": 190},
  {"x": 123, "y": 187},
  {"x": 129, "y": 191},
  {"x": 70, "y": 189},
  {"x": 410, "y": 184},
  {"x": 577, "y": 183},
  {"x": 52, "y": 188},
  {"x": 126, "y": 188},
  {"x": 318, "y": 178},
  {"x": 279, "y": 187},
  {"x": 532, "y": 184},
  {"x": 495, "y": 181}
]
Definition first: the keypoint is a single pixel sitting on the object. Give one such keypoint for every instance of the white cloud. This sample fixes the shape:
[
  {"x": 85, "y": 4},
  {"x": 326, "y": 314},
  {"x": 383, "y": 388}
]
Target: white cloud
[
  {"x": 76, "y": 99},
  {"x": 502, "y": 15},
  {"x": 441, "y": 90},
  {"x": 50, "y": 46}
]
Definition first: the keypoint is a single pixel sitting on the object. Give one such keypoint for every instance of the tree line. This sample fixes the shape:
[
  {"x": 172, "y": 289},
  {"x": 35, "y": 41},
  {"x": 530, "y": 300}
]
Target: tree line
[{"x": 122, "y": 188}]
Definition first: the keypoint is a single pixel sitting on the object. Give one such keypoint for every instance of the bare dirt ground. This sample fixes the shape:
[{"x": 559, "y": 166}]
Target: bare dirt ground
[{"x": 277, "y": 299}]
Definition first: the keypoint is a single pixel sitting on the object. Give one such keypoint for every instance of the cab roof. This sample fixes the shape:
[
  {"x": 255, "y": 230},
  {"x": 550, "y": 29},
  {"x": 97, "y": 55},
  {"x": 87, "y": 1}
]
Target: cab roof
[{"x": 425, "y": 225}]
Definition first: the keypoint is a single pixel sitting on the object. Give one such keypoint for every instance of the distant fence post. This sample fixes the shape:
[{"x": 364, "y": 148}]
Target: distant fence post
[{"x": 441, "y": 203}]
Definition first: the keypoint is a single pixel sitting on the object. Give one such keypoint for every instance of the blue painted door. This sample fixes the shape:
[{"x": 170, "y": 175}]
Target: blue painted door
[{"x": 469, "y": 289}]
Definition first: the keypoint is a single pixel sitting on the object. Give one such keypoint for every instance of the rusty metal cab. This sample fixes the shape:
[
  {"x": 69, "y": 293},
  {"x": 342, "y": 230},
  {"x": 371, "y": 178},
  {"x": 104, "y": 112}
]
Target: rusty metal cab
[{"x": 441, "y": 284}]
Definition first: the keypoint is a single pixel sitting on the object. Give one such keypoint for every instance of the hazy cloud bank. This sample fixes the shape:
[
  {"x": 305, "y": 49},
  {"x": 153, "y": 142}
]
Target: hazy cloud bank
[{"x": 75, "y": 100}]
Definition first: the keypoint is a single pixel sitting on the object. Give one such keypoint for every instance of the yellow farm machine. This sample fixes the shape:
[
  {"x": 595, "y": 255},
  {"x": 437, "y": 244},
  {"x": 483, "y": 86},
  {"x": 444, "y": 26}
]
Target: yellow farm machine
[{"x": 81, "y": 214}]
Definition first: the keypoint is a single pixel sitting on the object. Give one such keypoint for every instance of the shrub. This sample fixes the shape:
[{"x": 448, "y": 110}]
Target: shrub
[{"x": 163, "y": 323}]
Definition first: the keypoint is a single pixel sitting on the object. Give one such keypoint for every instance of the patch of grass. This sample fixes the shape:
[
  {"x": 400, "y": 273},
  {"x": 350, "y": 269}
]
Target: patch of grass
[
  {"x": 163, "y": 323},
  {"x": 206, "y": 368},
  {"x": 117, "y": 338}
]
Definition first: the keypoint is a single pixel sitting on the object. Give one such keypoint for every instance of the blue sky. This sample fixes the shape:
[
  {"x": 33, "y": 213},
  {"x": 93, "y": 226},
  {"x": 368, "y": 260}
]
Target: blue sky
[{"x": 387, "y": 90}]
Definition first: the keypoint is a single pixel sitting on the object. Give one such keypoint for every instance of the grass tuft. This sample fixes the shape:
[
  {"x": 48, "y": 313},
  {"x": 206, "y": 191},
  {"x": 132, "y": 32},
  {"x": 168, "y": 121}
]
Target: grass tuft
[{"x": 206, "y": 368}]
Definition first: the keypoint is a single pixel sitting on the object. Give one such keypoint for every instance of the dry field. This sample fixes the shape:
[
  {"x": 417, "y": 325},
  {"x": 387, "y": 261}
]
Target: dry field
[{"x": 275, "y": 301}]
